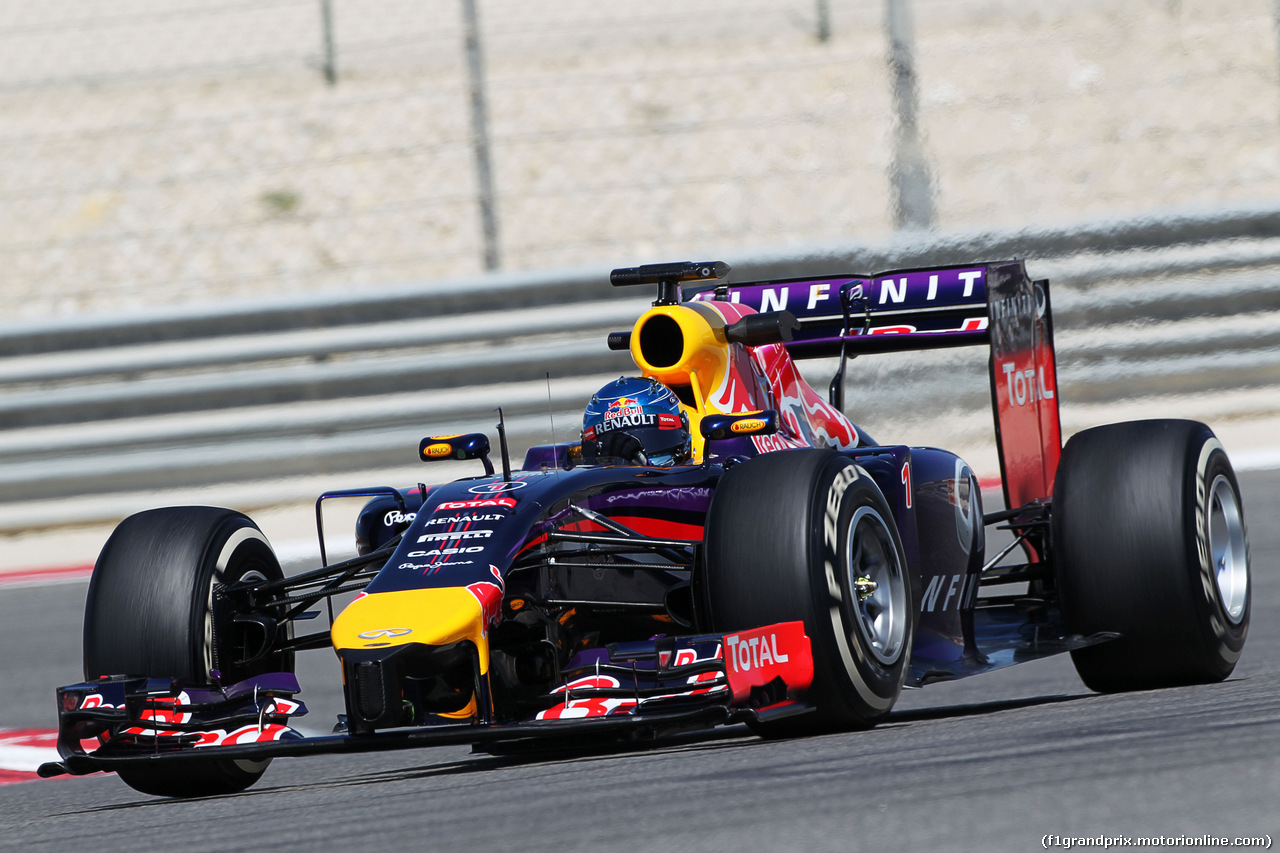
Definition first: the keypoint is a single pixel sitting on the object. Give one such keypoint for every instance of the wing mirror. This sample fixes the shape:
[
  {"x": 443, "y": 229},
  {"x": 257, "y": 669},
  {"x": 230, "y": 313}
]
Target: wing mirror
[{"x": 472, "y": 445}]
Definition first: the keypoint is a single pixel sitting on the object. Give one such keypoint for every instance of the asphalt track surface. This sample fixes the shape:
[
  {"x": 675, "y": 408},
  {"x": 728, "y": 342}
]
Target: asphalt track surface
[{"x": 993, "y": 762}]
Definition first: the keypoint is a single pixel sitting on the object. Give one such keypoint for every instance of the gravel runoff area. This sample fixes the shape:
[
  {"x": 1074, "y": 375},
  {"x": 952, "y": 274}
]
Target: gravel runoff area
[{"x": 173, "y": 151}]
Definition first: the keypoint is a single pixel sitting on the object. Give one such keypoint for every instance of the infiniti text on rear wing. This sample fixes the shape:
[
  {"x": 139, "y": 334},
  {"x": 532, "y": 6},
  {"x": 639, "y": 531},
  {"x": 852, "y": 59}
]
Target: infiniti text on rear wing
[{"x": 966, "y": 305}]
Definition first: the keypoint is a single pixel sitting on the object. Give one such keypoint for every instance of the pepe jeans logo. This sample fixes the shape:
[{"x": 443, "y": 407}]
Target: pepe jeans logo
[{"x": 387, "y": 633}]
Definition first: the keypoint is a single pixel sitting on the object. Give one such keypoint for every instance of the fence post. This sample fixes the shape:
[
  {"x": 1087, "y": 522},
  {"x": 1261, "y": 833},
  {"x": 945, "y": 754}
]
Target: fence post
[
  {"x": 480, "y": 134},
  {"x": 912, "y": 187},
  {"x": 326, "y": 29},
  {"x": 824, "y": 19}
]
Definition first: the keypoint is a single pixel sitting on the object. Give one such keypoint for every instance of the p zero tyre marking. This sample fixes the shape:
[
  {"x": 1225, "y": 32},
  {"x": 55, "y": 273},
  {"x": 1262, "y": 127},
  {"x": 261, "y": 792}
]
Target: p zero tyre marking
[{"x": 835, "y": 498}]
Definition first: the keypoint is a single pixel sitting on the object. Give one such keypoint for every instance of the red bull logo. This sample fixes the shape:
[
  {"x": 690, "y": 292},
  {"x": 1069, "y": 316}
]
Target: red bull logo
[{"x": 623, "y": 406}]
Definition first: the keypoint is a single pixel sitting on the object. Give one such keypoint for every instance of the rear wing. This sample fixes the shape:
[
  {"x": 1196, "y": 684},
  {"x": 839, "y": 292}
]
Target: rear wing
[{"x": 966, "y": 305}]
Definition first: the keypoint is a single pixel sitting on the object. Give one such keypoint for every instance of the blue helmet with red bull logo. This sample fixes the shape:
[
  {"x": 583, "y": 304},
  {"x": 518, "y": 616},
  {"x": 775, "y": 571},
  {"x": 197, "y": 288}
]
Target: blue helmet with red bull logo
[{"x": 637, "y": 420}]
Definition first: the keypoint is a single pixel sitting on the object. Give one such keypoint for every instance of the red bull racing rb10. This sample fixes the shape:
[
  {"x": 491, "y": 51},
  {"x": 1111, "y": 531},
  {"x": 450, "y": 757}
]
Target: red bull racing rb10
[{"x": 723, "y": 545}]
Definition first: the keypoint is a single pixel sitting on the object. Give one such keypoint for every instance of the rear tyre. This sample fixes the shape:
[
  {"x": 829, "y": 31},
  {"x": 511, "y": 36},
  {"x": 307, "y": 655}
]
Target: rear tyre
[
  {"x": 789, "y": 535},
  {"x": 152, "y": 610},
  {"x": 1150, "y": 542}
]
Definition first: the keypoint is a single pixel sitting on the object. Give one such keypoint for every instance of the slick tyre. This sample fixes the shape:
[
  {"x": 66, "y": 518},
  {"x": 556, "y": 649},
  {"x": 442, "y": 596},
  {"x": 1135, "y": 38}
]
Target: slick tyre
[
  {"x": 152, "y": 610},
  {"x": 789, "y": 535},
  {"x": 1149, "y": 541}
]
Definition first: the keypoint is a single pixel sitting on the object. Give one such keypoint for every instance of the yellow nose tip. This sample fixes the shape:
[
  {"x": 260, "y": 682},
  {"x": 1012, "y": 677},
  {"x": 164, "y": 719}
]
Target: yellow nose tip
[{"x": 433, "y": 617}]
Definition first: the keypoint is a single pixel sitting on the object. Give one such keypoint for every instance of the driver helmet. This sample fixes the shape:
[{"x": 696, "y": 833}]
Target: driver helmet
[{"x": 637, "y": 420}]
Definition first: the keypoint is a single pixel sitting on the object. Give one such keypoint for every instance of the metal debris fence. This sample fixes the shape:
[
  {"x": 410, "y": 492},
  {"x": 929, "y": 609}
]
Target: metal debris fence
[{"x": 1168, "y": 317}]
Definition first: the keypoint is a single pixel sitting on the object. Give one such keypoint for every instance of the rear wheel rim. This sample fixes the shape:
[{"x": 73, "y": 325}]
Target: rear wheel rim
[
  {"x": 881, "y": 616},
  {"x": 1227, "y": 549}
]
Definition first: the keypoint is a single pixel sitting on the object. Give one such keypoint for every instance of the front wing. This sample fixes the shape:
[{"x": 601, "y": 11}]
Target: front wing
[{"x": 629, "y": 690}]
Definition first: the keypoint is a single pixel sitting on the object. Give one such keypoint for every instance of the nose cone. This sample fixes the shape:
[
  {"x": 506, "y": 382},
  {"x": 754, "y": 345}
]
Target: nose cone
[{"x": 431, "y": 617}]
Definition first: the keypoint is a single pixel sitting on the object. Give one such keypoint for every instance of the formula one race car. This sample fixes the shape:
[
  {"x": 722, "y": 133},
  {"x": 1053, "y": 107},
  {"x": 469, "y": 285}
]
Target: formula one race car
[{"x": 723, "y": 545}]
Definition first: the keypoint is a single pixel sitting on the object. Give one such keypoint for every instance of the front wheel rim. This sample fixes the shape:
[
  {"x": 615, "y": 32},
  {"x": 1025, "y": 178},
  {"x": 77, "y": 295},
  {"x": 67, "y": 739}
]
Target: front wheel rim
[
  {"x": 1227, "y": 549},
  {"x": 881, "y": 616}
]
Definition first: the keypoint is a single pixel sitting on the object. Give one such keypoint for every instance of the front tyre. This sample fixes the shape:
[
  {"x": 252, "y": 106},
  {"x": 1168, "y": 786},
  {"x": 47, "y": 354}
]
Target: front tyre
[
  {"x": 1150, "y": 542},
  {"x": 806, "y": 535},
  {"x": 153, "y": 610}
]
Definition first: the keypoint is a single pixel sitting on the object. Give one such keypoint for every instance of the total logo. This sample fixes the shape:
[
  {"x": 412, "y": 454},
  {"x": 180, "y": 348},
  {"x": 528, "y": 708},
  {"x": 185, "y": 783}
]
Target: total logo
[
  {"x": 753, "y": 653},
  {"x": 505, "y": 502},
  {"x": 497, "y": 487},
  {"x": 1026, "y": 386}
]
